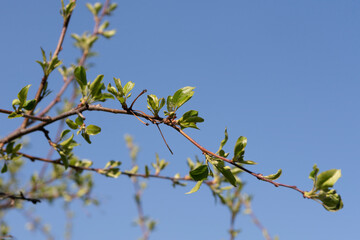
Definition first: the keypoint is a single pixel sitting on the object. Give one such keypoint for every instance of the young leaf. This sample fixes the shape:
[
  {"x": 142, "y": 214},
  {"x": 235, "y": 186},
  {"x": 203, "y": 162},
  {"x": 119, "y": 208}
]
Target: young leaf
[
  {"x": 170, "y": 105},
  {"x": 92, "y": 130},
  {"x": 331, "y": 201},
  {"x": 118, "y": 86},
  {"x": 71, "y": 124},
  {"x": 239, "y": 148},
  {"x": 67, "y": 141},
  {"x": 91, "y": 8},
  {"x": 22, "y": 95},
  {"x": 189, "y": 119},
  {"x": 327, "y": 179},
  {"x": 64, "y": 159},
  {"x": 109, "y": 34},
  {"x": 199, "y": 173},
  {"x": 14, "y": 115},
  {"x": 182, "y": 95},
  {"x": 29, "y": 104},
  {"x": 96, "y": 85},
  {"x": 274, "y": 176},
  {"x": 15, "y": 102},
  {"x": 128, "y": 87},
  {"x": 196, "y": 187},
  {"x": 79, "y": 121},
  {"x": 4, "y": 168},
  {"x": 86, "y": 137},
  {"x": 80, "y": 76},
  {"x": 225, "y": 170},
  {"x": 224, "y": 141},
  {"x": 249, "y": 162},
  {"x": 314, "y": 172},
  {"x": 63, "y": 133},
  {"x": 147, "y": 171}
]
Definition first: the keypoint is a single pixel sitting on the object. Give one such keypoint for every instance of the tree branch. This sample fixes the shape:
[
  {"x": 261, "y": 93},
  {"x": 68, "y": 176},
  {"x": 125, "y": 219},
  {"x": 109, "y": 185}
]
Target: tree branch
[
  {"x": 19, "y": 197},
  {"x": 45, "y": 77}
]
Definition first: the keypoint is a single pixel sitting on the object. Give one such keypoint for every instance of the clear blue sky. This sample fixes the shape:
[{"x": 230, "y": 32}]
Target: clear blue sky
[{"x": 285, "y": 74}]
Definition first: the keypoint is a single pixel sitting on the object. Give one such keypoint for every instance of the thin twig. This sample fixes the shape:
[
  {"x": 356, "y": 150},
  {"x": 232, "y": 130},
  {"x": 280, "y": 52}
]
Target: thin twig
[
  {"x": 43, "y": 119},
  {"x": 103, "y": 170},
  {"x": 132, "y": 104},
  {"x": 256, "y": 220},
  {"x": 80, "y": 63},
  {"x": 257, "y": 175},
  {"x": 146, "y": 124},
  {"x": 164, "y": 138},
  {"x": 45, "y": 77}
]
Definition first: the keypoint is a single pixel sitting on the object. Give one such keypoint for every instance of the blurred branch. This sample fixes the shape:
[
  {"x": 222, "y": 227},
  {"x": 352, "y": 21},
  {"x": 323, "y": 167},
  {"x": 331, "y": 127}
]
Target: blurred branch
[
  {"x": 256, "y": 221},
  {"x": 18, "y": 197}
]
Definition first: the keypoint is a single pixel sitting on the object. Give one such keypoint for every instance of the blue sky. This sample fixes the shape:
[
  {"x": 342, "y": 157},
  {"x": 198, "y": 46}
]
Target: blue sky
[{"x": 282, "y": 73}]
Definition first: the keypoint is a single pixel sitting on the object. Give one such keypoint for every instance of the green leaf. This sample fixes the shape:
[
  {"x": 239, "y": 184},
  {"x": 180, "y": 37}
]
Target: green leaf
[
  {"x": 67, "y": 141},
  {"x": 112, "y": 164},
  {"x": 64, "y": 159},
  {"x": 249, "y": 162},
  {"x": 109, "y": 34},
  {"x": 63, "y": 133},
  {"x": 92, "y": 130},
  {"x": 71, "y": 124},
  {"x": 189, "y": 119},
  {"x": 331, "y": 201},
  {"x": 128, "y": 87},
  {"x": 112, "y": 90},
  {"x": 224, "y": 141},
  {"x": 96, "y": 85},
  {"x": 200, "y": 173},
  {"x": 9, "y": 147},
  {"x": 327, "y": 179},
  {"x": 118, "y": 86},
  {"x": 29, "y": 104},
  {"x": 15, "y": 102},
  {"x": 43, "y": 55},
  {"x": 14, "y": 115},
  {"x": 196, "y": 187},
  {"x": 80, "y": 76},
  {"x": 17, "y": 148},
  {"x": 91, "y": 8},
  {"x": 86, "y": 137},
  {"x": 79, "y": 121},
  {"x": 153, "y": 101},
  {"x": 239, "y": 148},
  {"x": 97, "y": 7},
  {"x": 104, "y": 25},
  {"x": 225, "y": 170},
  {"x": 182, "y": 95},
  {"x": 113, "y": 172},
  {"x": 112, "y": 7},
  {"x": 147, "y": 171},
  {"x": 4, "y": 168},
  {"x": 314, "y": 172},
  {"x": 274, "y": 176},
  {"x": 22, "y": 95}
]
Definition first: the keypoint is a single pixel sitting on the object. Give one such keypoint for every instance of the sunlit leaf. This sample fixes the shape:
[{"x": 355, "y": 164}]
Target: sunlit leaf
[
  {"x": 199, "y": 173},
  {"x": 196, "y": 187}
]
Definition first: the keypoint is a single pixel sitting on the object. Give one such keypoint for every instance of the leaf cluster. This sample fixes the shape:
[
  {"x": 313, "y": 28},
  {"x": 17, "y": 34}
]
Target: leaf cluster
[
  {"x": 21, "y": 103},
  {"x": 121, "y": 93},
  {"x": 91, "y": 91},
  {"x": 322, "y": 188}
]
